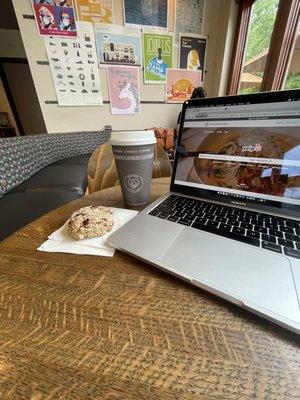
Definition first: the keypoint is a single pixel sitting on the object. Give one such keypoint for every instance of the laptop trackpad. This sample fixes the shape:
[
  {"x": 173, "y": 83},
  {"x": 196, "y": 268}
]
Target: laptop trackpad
[{"x": 245, "y": 272}]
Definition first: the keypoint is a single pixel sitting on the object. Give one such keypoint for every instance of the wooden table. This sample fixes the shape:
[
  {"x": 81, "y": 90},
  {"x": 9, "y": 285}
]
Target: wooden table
[{"x": 85, "y": 327}]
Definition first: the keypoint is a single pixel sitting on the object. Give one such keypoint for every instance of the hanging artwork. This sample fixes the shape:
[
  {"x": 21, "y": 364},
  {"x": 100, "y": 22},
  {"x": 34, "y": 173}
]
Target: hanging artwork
[
  {"x": 180, "y": 84},
  {"x": 188, "y": 17},
  {"x": 118, "y": 45},
  {"x": 152, "y": 13},
  {"x": 192, "y": 52},
  {"x": 97, "y": 11},
  {"x": 124, "y": 91},
  {"x": 158, "y": 56},
  {"x": 54, "y": 17},
  {"x": 74, "y": 68}
]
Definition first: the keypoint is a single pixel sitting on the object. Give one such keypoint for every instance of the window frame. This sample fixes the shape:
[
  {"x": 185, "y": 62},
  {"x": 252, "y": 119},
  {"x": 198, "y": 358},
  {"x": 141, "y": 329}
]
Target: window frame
[
  {"x": 280, "y": 50},
  {"x": 239, "y": 46}
]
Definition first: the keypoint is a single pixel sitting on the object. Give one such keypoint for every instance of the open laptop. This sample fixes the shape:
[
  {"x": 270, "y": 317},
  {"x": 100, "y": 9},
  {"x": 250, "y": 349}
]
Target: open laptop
[{"x": 231, "y": 221}]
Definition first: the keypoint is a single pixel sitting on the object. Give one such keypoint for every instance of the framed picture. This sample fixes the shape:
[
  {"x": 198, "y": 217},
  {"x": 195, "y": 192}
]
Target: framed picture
[
  {"x": 158, "y": 56},
  {"x": 188, "y": 17},
  {"x": 192, "y": 49},
  {"x": 118, "y": 45},
  {"x": 148, "y": 13},
  {"x": 124, "y": 90},
  {"x": 55, "y": 17},
  {"x": 180, "y": 84},
  {"x": 96, "y": 11},
  {"x": 74, "y": 68}
]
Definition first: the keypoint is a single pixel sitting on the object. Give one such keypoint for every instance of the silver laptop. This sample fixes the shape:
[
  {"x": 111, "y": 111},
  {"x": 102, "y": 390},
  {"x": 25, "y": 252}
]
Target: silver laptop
[{"x": 231, "y": 221}]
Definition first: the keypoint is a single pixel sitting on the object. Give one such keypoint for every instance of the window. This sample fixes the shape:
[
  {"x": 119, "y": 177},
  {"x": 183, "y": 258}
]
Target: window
[
  {"x": 293, "y": 76},
  {"x": 262, "y": 20},
  {"x": 266, "y": 47}
]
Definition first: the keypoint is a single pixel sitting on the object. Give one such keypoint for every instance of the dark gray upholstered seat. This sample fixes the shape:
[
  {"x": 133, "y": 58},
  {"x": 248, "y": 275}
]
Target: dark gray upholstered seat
[
  {"x": 65, "y": 177},
  {"x": 77, "y": 160},
  {"x": 19, "y": 209}
]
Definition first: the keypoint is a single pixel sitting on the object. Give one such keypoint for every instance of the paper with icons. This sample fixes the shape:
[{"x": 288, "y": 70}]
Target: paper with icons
[{"x": 74, "y": 68}]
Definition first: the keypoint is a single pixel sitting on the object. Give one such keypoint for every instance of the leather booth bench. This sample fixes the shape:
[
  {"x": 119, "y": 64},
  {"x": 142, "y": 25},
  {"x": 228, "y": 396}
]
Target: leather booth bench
[{"x": 42, "y": 172}]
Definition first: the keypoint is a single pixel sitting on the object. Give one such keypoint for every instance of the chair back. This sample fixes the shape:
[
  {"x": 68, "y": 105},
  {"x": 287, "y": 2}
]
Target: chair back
[{"x": 102, "y": 171}]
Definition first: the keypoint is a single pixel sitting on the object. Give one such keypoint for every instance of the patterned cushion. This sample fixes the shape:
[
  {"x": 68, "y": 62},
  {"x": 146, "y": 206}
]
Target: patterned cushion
[
  {"x": 57, "y": 146},
  {"x": 22, "y": 157},
  {"x": 19, "y": 160}
]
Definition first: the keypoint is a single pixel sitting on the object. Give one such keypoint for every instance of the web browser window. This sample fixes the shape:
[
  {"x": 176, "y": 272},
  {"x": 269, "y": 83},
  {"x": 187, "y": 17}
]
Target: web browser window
[{"x": 242, "y": 150}]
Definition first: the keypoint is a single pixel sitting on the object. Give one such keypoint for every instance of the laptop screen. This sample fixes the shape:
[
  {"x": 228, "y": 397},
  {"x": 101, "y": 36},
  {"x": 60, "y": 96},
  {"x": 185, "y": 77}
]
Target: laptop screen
[{"x": 241, "y": 151}]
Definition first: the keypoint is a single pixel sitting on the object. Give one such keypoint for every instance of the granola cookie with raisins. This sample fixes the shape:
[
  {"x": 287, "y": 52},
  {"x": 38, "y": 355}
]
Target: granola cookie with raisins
[{"x": 90, "y": 221}]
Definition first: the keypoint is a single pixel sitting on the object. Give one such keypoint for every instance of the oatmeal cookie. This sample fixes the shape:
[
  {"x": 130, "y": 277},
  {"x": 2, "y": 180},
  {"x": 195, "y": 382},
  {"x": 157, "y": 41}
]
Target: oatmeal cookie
[{"x": 91, "y": 221}]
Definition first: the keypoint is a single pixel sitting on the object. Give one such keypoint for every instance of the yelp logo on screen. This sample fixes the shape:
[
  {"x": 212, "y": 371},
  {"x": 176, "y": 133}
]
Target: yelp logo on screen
[{"x": 252, "y": 147}]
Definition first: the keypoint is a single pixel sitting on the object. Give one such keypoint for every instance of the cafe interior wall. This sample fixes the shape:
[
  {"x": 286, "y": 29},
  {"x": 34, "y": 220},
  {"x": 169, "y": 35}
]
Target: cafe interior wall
[
  {"x": 5, "y": 107},
  {"x": 11, "y": 46},
  {"x": 158, "y": 114}
]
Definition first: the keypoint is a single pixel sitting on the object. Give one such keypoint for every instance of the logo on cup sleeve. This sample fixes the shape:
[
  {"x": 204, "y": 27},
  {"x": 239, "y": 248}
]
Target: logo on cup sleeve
[{"x": 134, "y": 183}]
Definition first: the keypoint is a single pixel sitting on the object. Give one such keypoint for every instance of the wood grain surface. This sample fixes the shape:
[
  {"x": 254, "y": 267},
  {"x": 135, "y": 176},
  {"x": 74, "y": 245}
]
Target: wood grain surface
[{"x": 85, "y": 327}]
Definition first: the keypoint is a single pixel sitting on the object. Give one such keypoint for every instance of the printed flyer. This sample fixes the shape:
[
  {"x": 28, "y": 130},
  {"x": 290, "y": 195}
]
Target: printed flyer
[
  {"x": 74, "y": 68},
  {"x": 189, "y": 14},
  {"x": 96, "y": 11},
  {"x": 146, "y": 13},
  {"x": 124, "y": 91},
  {"x": 180, "y": 84},
  {"x": 192, "y": 52},
  {"x": 54, "y": 17},
  {"x": 118, "y": 45},
  {"x": 158, "y": 56}
]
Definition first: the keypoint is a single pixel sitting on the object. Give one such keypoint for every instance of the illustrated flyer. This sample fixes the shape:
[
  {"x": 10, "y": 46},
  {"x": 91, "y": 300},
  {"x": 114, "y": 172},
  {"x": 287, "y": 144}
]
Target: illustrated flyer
[
  {"x": 118, "y": 45},
  {"x": 124, "y": 91},
  {"x": 152, "y": 13},
  {"x": 74, "y": 68},
  {"x": 55, "y": 17},
  {"x": 96, "y": 11},
  {"x": 192, "y": 52},
  {"x": 158, "y": 56},
  {"x": 180, "y": 84},
  {"x": 189, "y": 15}
]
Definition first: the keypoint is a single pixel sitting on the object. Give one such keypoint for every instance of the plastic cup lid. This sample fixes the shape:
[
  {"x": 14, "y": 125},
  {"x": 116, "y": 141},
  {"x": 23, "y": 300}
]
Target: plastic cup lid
[{"x": 132, "y": 138}]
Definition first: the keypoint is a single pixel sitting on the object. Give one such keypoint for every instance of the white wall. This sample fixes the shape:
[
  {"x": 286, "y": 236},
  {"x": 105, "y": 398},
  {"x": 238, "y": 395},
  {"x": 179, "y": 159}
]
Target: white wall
[
  {"x": 88, "y": 118},
  {"x": 218, "y": 24}
]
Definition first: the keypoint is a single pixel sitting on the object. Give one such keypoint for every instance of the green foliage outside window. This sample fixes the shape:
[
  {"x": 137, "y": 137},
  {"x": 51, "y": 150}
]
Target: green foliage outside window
[
  {"x": 293, "y": 81},
  {"x": 261, "y": 26}
]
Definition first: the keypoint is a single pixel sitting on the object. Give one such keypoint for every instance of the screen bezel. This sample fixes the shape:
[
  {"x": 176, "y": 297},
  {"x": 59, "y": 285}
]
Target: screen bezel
[{"x": 257, "y": 98}]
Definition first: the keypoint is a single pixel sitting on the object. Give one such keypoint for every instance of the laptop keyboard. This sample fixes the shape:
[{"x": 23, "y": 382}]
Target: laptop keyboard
[{"x": 280, "y": 235}]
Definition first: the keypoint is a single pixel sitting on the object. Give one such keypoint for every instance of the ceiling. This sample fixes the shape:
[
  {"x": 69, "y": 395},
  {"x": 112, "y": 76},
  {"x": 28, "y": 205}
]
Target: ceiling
[{"x": 8, "y": 18}]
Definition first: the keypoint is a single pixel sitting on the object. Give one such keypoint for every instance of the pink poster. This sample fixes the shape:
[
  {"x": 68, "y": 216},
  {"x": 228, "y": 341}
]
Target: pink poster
[
  {"x": 55, "y": 17},
  {"x": 180, "y": 84},
  {"x": 124, "y": 91}
]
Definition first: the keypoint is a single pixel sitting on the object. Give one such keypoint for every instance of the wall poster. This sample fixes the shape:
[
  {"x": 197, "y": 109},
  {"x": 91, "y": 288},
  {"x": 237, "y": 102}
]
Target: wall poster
[
  {"x": 180, "y": 84},
  {"x": 124, "y": 91},
  {"x": 192, "y": 51},
  {"x": 96, "y": 11},
  {"x": 158, "y": 56},
  {"x": 188, "y": 17},
  {"x": 118, "y": 45},
  {"x": 54, "y": 17},
  {"x": 146, "y": 13},
  {"x": 74, "y": 68}
]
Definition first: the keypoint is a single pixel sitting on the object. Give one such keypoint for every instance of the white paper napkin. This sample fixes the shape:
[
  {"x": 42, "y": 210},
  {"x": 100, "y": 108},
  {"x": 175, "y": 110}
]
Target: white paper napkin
[{"x": 61, "y": 242}]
